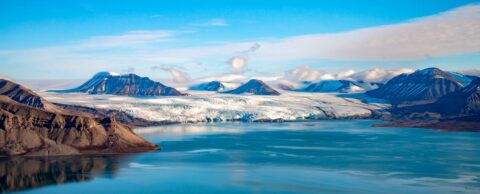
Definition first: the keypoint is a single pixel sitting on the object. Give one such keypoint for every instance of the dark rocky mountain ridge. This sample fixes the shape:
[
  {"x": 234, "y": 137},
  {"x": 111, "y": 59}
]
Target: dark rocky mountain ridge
[
  {"x": 457, "y": 111},
  {"x": 422, "y": 85},
  {"x": 255, "y": 87},
  {"x": 126, "y": 85}
]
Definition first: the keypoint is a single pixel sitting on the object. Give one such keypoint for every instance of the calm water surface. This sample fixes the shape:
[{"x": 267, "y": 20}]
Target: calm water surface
[{"x": 303, "y": 157}]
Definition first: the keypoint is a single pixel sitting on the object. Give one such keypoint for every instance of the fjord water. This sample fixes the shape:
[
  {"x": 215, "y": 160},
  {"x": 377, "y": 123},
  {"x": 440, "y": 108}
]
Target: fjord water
[{"x": 298, "y": 157}]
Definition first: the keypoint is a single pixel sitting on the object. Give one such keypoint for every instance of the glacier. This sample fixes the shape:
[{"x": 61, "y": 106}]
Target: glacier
[{"x": 204, "y": 106}]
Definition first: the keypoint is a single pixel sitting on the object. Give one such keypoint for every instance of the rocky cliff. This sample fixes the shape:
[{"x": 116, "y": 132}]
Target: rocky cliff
[{"x": 37, "y": 127}]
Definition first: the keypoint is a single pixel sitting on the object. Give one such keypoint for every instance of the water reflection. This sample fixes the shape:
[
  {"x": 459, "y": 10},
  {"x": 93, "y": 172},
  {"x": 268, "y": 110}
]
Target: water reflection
[
  {"x": 22, "y": 173},
  {"x": 316, "y": 157}
]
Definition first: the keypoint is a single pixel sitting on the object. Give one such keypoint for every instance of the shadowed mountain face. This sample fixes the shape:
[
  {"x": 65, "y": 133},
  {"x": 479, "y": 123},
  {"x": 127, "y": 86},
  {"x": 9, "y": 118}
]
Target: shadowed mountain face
[
  {"x": 22, "y": 173},
  {"x": 126, "y": 85},
  {"x": 34, "y": 130},
  {"x": 255, "y": 87},
  {"x": 209, "y": 86},
  {"x": 456, "y": 111},
  {"x": 463, "y": 102},
  {"x": 422, "y": 85}
]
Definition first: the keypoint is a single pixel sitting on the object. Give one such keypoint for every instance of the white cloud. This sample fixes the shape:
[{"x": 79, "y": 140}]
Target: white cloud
[
  {"x": 474, "y": 71},
  {"x": 307, "y": 73},
  {"x": 213, "y": 22},
  {"x": 239, "y": 62},
  {"x": 224, "y": 78},
  {"x": 178, "y": 75},
  {"x": 379, "y": 75},
  {"x": 450, "y": 33}
]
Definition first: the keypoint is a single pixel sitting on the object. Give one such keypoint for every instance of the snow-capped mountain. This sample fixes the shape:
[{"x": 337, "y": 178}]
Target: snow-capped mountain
[
  {"x": 127, "y": 85},
  {"x": 209, "y": 86},
  {"x": 343, "y": 86},
  {"x": 421, "y": 85},
  {"x": 255, "y": 87}
]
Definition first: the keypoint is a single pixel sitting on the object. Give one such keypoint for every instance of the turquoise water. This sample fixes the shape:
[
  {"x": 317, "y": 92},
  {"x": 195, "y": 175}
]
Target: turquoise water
[{"x": 303, "y": 157}]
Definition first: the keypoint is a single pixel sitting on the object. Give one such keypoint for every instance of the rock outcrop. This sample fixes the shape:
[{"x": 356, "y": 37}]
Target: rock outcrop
[{"x": 37, "y": 127}]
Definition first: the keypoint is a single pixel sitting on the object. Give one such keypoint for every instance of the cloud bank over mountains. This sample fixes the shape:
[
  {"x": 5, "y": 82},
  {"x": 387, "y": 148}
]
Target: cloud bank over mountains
[
  {"x": 307, "y": 73},
  {"x": 450, "y": 33},
  {"x": 455, "y": 32}
]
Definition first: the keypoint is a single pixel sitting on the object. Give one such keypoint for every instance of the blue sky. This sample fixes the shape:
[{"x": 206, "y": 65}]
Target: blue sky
[{"x": 39, "y": 39}]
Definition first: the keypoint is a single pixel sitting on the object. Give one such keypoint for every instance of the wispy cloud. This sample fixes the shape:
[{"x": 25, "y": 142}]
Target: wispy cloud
[
  {"x": 178, "y": 76},
  {"x": 473, "y": 72},
  {"x": 127, "y": 39},
  {"x": 213, "y": 22}
]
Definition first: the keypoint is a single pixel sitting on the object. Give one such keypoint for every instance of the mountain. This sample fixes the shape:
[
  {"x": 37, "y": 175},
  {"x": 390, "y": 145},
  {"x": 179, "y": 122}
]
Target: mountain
[
  {"x": 422, "y": 85},
  {"x": 343, "y": 86},
  {"x": 255, "y": 87},
  {"x": 456, "y": 111},
  {"x": 126, "y": 85},
  {"x": 23, "y": 95},
  {"x": 463, "y": 102},
  {"x": 30, "y": 125},
  {"x": 209, "y": 86}
]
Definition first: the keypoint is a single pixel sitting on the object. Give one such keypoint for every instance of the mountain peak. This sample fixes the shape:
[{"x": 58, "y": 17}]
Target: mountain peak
[
  {"x": 422, "y": 85},
  {"x": 255, "y": 81},
  {"x": 126, "y": 84},
  {"x": 23, "y": 95},
  {"x": 209, "y": 86},
  {"x": 430, "y": 71},
  {"x": 106, "y": 74},
  {"x": 255, "y": 87}
]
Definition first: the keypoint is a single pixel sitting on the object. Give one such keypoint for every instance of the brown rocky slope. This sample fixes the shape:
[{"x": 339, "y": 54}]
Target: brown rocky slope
[{"x": 47, "y": 129}]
